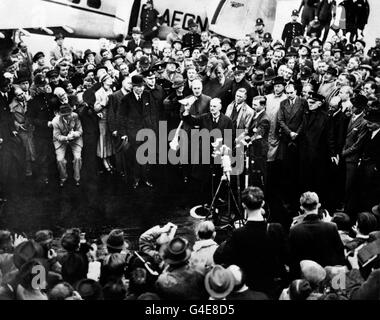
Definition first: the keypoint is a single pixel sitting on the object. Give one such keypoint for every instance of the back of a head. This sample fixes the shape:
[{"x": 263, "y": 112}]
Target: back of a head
[
  {"x": 253, "y": 198},
  {"x": 309, "y": 201},
  {"x": 61, "y": 291},
  {"x": 113, "y": 267},
  {"x": 114, "y": 290},
  {"x": 205, "y": 230},
  {"x": 342, "y": 221},
  {"x": 367, "y": 223},
  {"x": 89, "y": 290},
  {"x": 70, "y": 240},
  {"x": 74, "y": 267},
  {"x": 299, "y": 290}
]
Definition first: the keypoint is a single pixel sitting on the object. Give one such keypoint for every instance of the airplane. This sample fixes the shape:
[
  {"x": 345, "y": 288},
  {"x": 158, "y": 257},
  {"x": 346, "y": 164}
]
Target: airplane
[{"x": 110, "y": 18}]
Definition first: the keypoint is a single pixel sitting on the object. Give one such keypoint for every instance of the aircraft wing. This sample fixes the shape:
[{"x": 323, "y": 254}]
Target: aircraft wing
[{"x": 18, "y": 14}]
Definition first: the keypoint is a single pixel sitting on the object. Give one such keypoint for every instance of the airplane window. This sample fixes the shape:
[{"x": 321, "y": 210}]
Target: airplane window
[
  {"x": 75, "y": 1},
  {"x": 94, "y": 3}
]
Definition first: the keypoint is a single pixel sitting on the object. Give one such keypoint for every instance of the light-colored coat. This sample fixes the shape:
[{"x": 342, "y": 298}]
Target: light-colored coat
[
  {"x": 245, "y": 115},
  {"x": 61, "y": 129},
  {"x": 202, "y": 255}
]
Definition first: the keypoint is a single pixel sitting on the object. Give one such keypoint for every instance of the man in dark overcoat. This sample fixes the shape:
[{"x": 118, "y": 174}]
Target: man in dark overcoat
[{"x": 137, "y": 111}]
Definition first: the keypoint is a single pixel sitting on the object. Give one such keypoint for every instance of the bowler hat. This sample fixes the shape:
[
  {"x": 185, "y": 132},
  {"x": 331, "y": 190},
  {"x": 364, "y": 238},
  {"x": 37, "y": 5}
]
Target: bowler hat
[
  {"x": 178, "y": 81},
  {"x": 373, "y": 115},
  {"x": 38, "y": 55},
  {"x": 27, "y": 251},
  {"x": 40, "y": 80},
  {"x": 177, "y": 251},
  {"x": 137, "y": 49},
  {"x": 118, "y": 56},
  {"x": 278, "y": 80},
  {"x": 296, "y": 42},
  {"x": 269, "y": 74},
  {"x": 115, "y": 240},
  {"x": 219, "y": 282},
  {"x": 258, "y": 77},
  {"x": 65, "y": 110},
  {"x": 137, "y": 80},
  {"x": 248, "y": 61},
  {"x": 136, "y": 30}
]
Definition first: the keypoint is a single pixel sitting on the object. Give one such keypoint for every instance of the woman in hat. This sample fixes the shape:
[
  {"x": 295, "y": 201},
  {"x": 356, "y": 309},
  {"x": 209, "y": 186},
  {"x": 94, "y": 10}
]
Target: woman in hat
[{"x": 105, "y": 147}]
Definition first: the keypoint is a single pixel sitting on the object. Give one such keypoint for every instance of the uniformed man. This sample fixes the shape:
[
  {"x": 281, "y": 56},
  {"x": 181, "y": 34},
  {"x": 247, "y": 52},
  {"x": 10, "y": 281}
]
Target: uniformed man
[
  {"x": 259, "y": 28},
  {"x": 149, "y": 21},
  {"x": 192, "y": 39},
  {"x": 292, "y": 30}
]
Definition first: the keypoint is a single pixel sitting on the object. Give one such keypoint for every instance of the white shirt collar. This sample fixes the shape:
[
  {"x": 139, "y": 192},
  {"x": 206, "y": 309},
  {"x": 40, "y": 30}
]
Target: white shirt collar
[
  {"x": 137, "y": 97},
  {"x": 259, "y": 113}
]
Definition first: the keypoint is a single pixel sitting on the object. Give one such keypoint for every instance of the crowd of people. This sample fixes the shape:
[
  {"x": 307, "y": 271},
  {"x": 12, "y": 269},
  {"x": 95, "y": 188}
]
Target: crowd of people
[
  {"x": 309, "y": 111},
  {"x": 321, "y": 258}
]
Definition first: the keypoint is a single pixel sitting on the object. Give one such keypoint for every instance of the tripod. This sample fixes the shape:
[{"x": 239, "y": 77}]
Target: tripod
[{"x": 231, "y": 218}]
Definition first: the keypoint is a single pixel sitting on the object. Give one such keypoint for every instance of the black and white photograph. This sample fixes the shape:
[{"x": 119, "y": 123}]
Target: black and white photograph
[{"x": 188, "y": 150}]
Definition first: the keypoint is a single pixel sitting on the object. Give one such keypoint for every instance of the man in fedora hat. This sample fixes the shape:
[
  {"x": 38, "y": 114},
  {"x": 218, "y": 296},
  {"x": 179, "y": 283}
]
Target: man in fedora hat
[
  {"x": 180, "y": 281},
  {"x": 67, "y": 131},
  {"x": 369, "y": 169},
  {"x": 219, "y": 283},
  {"x": 136, "y": 40},
  {"x": 292, "y": 30},
  {"x": 239, "y": 81},
  {"x": 59, "y": 51},
  {"x": 137, "y": 112}
]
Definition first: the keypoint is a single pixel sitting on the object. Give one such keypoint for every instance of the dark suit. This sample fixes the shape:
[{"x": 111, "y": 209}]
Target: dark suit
[
  {"x": 114, "y": 101},
  {"x": 315, "y": 240},
  {"x": 369, "y": 172},
  {"x": 314, "y": 151},
  {"x": 40, "y": 112},
  {"x": 289, "y": 120},
  {"x": 355, "y": 136},
  {"x": 131, "y": 46},
  {"x": 134, "y": 116},
  {"x": 338, "y": 126},
  {"x": 258, "y": 150},
  {"x": 191, "y": 40},
  {"x": 261, "y": 251},
  {"x": 12, "y": 156},
  {"x": 201, "y": 171}
]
